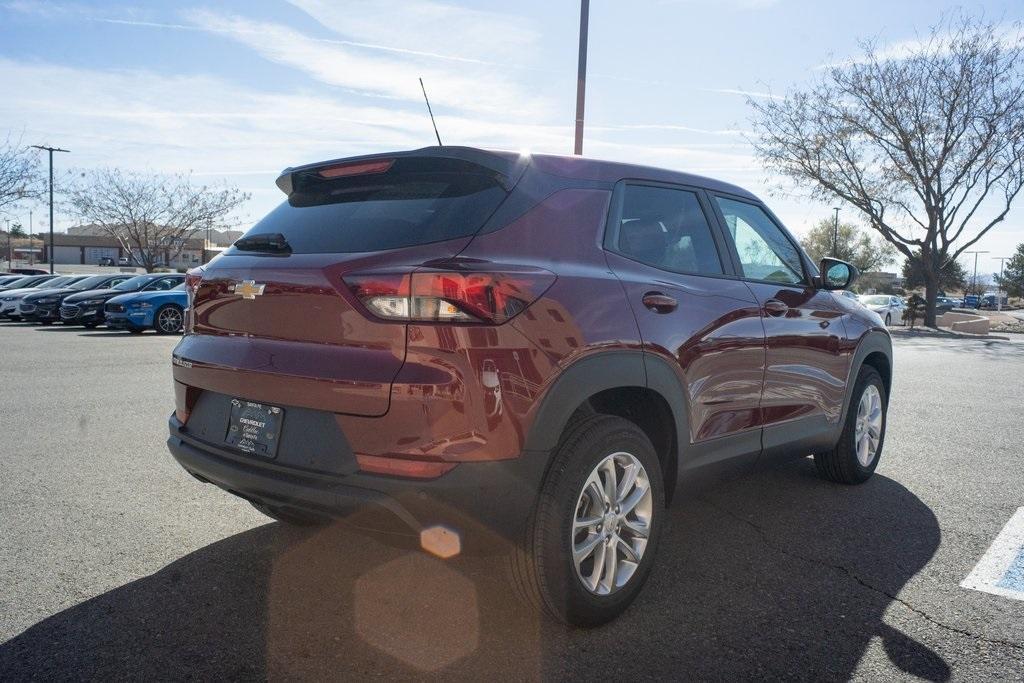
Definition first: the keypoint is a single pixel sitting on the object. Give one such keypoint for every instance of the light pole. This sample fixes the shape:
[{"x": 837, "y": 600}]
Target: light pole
[
  {"x": 10, "y": 254},
  {"x": 581, "y": 76},
  {"x": 975, "y": 279},
  {"x": 51, "y": 150},
  {"x": 999, "y": 292},
  {"x": 835, "y": 233},
  {"x": 31, "y": 241}
]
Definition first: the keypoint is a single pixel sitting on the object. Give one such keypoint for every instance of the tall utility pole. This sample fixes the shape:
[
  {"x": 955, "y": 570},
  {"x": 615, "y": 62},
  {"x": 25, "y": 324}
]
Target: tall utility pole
[
  {"x": 581, "y": 76},
  {"x": 51, "y": 150},
  {"x": 835, "y": 233},
  {"x": 999, "y": 292},
  {"x": 974, "y": 283}
]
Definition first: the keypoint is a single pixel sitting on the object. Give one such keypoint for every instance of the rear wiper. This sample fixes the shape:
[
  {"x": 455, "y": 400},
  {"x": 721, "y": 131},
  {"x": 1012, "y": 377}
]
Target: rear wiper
[{"x": 273, "y": 242}]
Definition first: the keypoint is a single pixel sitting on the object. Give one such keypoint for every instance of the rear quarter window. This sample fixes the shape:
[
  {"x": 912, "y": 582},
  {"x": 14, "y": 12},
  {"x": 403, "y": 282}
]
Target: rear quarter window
[{"x": 417, "y": 201}]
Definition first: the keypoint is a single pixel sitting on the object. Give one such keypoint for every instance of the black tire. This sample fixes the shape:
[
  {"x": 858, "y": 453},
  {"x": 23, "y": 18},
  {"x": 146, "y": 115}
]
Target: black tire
[
  {"x": 888, "y": 320},
  {"x": 166, "y": 311},
  {"x": 543, "y": 568},
  {"x": 289, "y": 516},
  {"x": 841, "y": 464}
]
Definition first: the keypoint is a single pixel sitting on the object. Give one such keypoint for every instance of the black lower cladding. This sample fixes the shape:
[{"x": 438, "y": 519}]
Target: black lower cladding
[
  {"x": 315, "y": 470},
  {"x": 309, "y": 440}
]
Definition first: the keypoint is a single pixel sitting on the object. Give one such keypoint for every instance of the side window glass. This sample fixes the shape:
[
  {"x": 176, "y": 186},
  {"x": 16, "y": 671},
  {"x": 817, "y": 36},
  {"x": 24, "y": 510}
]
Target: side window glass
[
  {"x": 765, "y": 252},
  {"x": 667, "y": 229}
]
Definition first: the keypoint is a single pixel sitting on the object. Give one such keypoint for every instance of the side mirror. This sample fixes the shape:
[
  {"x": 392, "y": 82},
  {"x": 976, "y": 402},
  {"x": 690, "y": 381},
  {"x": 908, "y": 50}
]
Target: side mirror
[{"x": 836, "y": 274}]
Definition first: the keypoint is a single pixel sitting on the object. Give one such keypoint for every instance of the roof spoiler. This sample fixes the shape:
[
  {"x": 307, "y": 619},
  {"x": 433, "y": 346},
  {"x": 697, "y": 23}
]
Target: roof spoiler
[{"x": 508, "y": 166}]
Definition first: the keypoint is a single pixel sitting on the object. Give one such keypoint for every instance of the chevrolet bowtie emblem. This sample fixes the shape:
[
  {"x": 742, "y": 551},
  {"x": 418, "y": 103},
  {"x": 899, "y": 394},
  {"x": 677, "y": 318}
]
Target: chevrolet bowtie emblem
[{"x": 248, "y": 289}]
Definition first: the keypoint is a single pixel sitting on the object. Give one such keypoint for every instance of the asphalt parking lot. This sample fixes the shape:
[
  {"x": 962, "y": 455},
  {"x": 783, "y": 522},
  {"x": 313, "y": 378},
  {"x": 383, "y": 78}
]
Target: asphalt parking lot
[{"x": 115, "y": 564}]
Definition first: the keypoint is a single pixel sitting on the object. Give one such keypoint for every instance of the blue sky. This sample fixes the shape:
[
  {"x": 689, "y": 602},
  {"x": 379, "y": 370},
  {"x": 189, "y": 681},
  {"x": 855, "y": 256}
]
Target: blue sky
[{"x": 236, "y": 90}]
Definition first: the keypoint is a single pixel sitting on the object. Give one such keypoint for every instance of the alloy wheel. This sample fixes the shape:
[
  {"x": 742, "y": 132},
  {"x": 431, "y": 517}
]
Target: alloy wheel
[
  {"x": 612, "y": 523},
  {"x": 868, "y": 431},
  {"x": 169, "y": 320}
]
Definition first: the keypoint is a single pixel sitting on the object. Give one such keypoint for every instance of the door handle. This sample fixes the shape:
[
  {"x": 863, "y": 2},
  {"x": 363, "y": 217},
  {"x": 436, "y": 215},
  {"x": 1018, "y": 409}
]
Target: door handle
[
  {"x": 775, "y": 307},
  {"x": 660, "y": 303}
]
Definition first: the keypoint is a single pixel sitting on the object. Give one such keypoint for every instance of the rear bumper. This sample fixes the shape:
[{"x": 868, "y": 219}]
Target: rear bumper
[{"x": 484, "y": 502}]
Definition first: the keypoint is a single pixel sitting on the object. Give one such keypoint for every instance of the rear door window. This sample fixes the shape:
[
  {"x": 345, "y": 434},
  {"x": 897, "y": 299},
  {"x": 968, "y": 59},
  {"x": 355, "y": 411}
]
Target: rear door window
[
  {"x": 415, "y": 201},
  {"x": 665, "y": 228}
]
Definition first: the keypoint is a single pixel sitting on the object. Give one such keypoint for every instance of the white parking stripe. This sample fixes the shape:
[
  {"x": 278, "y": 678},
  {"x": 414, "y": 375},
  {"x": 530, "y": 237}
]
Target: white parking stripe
[{"x": 1001, "y": 569}]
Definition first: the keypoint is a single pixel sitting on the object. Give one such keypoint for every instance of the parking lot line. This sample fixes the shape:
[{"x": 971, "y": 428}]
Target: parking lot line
[{"x": 1001, "y": 569}]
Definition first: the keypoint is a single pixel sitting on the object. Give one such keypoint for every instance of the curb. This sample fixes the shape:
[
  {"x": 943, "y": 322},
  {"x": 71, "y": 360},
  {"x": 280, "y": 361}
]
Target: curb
[{"x": 933, "y": 333}]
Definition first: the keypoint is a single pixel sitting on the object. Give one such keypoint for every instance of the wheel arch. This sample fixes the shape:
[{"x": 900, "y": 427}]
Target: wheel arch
[
  {"x": 631, "y": 384},
  {"x": 874, "y": 349}
]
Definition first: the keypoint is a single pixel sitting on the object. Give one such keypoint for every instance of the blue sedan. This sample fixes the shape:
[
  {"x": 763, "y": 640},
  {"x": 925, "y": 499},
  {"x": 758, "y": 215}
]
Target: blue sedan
[{"x": 162, "y": 311}]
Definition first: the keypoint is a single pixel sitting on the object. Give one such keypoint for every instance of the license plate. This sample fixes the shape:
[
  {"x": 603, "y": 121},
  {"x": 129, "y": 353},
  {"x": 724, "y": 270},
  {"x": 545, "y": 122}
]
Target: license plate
[{"x": 254, "y": 427}]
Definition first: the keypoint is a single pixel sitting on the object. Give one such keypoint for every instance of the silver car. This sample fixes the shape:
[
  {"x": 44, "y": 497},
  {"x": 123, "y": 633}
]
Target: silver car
[{"x": 889, "y": 308}]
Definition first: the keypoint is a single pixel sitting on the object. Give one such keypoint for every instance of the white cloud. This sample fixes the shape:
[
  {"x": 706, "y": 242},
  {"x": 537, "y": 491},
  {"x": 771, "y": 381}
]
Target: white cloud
[
  {"x": 423, "y": 25},
  {"x": 731, "y": 4},
  {"x": 1009, "y": 36},
  {"x": 745, "y": 93},
  {"x": 461, "y": 88}
]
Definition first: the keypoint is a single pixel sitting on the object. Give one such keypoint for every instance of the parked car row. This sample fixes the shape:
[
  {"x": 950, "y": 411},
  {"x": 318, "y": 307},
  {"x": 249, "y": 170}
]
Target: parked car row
[{"x": 122, "y": 301}]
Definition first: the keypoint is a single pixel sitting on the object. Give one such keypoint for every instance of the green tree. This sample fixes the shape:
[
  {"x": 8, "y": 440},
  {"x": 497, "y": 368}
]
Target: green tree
[
  {"x": 17, "y": 230},
  {"x": 928, "y": 144},
  {"x": 951, "y": 276},
  {"x": 1012, "y": 279},
  {"x": 854, "y": 245}
]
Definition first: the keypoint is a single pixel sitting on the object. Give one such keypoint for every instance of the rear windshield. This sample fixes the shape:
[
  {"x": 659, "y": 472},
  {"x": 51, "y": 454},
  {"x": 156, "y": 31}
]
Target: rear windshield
[{"x": 417, "y": 201}]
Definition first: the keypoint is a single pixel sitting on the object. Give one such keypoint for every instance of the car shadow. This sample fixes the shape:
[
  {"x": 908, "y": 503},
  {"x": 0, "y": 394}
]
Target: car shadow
[
  {"x": 777, "y": 574},
  {"x": 56, "y": 328}
]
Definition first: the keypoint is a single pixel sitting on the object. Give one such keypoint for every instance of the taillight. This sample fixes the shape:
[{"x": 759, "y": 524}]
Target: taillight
[
  {"x": 358, "y": 168},
  {"x": 463, "y": 296}
]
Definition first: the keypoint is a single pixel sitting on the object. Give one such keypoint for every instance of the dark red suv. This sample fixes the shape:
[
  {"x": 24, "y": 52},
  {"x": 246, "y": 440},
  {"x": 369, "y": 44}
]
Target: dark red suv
[{"x": 532, "y": 346}]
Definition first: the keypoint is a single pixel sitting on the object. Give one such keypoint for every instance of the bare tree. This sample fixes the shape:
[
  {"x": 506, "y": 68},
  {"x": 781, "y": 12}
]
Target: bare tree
[
  {"x": 151, "y": 215},
  {"x": 927, "y": 144},
  {"x": 19, "y": 173}
]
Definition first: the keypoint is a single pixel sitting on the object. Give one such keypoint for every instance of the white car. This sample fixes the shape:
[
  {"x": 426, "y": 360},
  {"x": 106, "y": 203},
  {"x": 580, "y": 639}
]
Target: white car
[{"x": 889, "y": 308}]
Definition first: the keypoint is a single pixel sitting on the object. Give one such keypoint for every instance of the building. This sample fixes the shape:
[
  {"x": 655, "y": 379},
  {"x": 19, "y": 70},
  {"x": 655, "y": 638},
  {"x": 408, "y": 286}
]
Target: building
[
  {"x": 87, "y": 249},
  {"x": 215, "y": 238}
]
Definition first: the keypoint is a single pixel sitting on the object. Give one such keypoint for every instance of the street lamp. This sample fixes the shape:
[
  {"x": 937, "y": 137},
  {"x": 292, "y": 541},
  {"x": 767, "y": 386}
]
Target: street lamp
[
  {"x": 999, "y": 292},
  {"x": 835, "y": 233},
  {"x": 975, "y": 279},
  {"x": 51, "y": 150},
  {"x": 581, "y": 76}
]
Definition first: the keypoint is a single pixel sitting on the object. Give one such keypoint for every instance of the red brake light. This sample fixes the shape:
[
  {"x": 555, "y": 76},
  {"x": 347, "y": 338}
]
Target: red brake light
[
  {"x": 450, "y": 296},
  {"x": 357, "y": 168}
]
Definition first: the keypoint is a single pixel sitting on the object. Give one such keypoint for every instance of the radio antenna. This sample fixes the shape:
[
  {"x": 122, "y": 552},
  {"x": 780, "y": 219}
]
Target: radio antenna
[{"x": 431, "y": 112}]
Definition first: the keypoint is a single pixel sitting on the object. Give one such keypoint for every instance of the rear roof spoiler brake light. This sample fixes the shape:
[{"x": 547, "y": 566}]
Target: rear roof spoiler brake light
[{"x": 507, "y": 166}]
